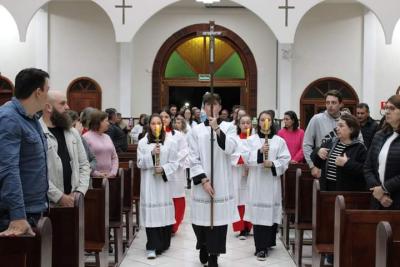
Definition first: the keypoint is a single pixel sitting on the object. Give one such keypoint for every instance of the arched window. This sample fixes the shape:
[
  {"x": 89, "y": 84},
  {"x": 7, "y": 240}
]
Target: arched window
[
  {"x": 84, "y": 92},
  {"x": 313, "y": 99},
  {"x": 6, "y": 90}
]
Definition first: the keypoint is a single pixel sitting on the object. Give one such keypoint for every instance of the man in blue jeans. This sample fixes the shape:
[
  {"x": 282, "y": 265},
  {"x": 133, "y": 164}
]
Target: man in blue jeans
[{"x": 23, "y": 171}]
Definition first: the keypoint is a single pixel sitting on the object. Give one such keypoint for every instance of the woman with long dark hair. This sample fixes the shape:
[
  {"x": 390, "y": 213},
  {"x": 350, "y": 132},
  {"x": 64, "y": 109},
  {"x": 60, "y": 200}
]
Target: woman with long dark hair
[
  {"x": 382, "y": 168},
  {"x": 156, "y": 207},
  {"x": 268, "y": 160},
  {"x": 293, "y": 136}
]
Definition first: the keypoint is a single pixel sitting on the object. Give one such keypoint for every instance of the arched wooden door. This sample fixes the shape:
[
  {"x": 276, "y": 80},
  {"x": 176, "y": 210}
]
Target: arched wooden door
[
  {"x": 161, "y": 84},
  {"x": 6, "y": 90},
  {"x": 313, "y": 98},
  {"x": 84, "y": 92}
]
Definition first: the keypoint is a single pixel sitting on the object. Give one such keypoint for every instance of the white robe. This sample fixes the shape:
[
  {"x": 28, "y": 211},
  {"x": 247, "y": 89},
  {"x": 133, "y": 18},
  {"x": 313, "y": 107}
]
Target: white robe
[
  {"x": 156, "y": 207},
  {"x": 177, "y": 182},
  {"x": 264, "y": 206},
  {"x": 225, "y": 210},
  {"x": 138, "y": 129},
  {"x": 240, "y": 181}
]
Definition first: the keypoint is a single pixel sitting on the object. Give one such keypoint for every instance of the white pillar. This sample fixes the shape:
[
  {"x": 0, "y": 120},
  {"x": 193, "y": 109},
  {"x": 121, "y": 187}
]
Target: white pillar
[
  {"x": 369, "y": 62},
  {"x": 125, "y": 78},
  {"x": 41, "y": 26},
  {"x": 285, "y": 92}
]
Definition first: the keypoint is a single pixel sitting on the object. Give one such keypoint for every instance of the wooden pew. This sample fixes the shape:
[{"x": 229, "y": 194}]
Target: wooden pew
[
  {"x": 355, "y": 234},
  {"x": 97, "y": 222},
  {"x": 303, "y": 210},
  {"x": 387, "y": 248},
  {"x": 28, "y": 251},
  {"x": 289, "y": 200},
  {"x": 126, "y": 157},
  {"x": 323, "y": 218},
  {"x": 127, "y": 210},
  {"x": 116, "y": 195},
  {"x": 68, "y": 234}
]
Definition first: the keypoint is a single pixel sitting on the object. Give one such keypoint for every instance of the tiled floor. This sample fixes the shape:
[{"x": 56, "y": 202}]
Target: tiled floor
[{"x": 182, "y": 251}]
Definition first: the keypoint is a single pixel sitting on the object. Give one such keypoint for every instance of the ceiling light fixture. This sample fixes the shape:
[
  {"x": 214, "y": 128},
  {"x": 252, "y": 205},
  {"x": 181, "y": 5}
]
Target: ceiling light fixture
[{"x": 208, "y": 2}]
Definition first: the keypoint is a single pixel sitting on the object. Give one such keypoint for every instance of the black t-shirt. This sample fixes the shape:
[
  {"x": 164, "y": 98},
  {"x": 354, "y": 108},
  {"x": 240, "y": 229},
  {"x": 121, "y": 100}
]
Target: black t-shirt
[{"x": 65, "y": 158}]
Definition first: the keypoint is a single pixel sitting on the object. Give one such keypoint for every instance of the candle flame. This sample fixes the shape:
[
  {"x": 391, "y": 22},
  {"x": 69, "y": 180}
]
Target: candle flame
[
  {"x": 158, "y": 130},
  {"x": 267, "y": 124}
]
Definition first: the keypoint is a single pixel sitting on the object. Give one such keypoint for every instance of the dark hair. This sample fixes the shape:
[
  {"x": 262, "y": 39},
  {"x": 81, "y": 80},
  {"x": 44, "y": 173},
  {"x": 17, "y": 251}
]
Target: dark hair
[
  {"x": 272, "y": 127},
  {"x": 96, "y": 117},
  {"x": 150, "y": 135},
  {"x": 293, "y": 117},
  {"x": 272, "y": 113},
  {"x": 238, "y": 130},
  {"x": 28, "y": 80},
  {"x": 209, "y": 98},
  {"x": 335, "y": 93},
  {"x": 173, "y": 106},
  {"x": 170, "y": 117},
  {"x": 73, "y": 115},
  {"x": 85, "y": 116},
  {"x": 353, "y": 124},
  {"x": 140, "y": 118},
  {"x": 119, "y": 114},
  {"x": 363, "y": 105},
  {"x": 111, "y": 113},
  {"x": 395, "y": 100}
]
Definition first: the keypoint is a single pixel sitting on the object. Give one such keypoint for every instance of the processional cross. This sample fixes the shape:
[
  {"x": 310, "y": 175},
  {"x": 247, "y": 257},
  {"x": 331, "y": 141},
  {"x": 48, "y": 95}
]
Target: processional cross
[
  {"x": 123, "y": 6},
  {"x": 286, "y": 7},
  {"x": 211, "y": 34}
]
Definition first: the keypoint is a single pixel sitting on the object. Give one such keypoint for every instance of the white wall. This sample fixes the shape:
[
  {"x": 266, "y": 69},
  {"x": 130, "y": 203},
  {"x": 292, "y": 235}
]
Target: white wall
[
  {"x": 14, "y": 55},
  {"x": 328, "y": 43},
  {"x": 387, "y": 75},
  {"x": 82, "y": 43},
  {"x": 160, "y": 27}
]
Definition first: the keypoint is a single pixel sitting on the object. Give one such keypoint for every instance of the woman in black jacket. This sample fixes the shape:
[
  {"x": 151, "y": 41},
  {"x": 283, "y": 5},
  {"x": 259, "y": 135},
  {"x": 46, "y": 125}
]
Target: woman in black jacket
[
  {"x": 382, "y": 167},
  {"x": 341, "y": 160}
]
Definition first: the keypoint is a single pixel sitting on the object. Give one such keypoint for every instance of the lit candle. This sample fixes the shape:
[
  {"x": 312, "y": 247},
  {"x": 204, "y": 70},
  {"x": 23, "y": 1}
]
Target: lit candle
[
  {"x": 266, "y": 125},
  {"x": 248, "y": 132},
  {"x": 158, "y": 129}
]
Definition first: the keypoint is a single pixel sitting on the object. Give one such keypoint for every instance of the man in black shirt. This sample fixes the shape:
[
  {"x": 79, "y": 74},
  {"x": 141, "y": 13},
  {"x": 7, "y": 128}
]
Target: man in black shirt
[
  {"x": 368, "y": 125},
  {"x": 67, "y": 164},
  {"x": 116, "y": 134}
]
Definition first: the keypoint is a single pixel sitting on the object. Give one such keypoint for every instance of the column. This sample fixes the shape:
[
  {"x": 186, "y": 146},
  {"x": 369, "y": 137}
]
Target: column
[
  {"x": 284, "y": 82},
  {"x": 125, "y": 78}
]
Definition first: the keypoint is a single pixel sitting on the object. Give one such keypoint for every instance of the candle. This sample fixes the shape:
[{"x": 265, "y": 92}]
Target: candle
[
  {"x": 266, "y": 125},
  {"x": 248, "y": 132},
  {"x": 158, "y": 130}
]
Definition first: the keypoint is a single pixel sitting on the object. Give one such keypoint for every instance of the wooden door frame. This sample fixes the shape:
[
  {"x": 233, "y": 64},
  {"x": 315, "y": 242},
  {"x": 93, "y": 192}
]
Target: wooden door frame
[
  {"x": 167, "y": 83},
  {"x": 320, "y": 101},
  {"x": 159, "y": 92},
  {"x": 98, "y": 89}
]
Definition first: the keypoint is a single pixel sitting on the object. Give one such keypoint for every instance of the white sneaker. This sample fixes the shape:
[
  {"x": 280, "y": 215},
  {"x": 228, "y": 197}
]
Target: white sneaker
[{"x": 151, "y": 254}]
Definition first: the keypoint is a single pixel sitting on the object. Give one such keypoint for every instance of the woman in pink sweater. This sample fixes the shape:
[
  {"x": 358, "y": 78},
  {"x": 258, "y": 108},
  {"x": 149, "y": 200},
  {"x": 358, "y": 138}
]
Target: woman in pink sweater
[
  {"x": 293, "y": 136},
  {"x": 101, "y": 146}
]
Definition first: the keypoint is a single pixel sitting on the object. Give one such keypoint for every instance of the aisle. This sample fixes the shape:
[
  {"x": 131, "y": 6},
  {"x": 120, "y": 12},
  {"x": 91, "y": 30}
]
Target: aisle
[{"x": 183, "y": 254}]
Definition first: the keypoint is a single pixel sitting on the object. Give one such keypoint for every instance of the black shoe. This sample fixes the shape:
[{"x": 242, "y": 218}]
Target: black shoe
[
  {"x": 203, "y": 255},
  {"x": 242, "y": 235},
  {"x": 213, "y": 261},
  {"x": 262, "y": 255}
]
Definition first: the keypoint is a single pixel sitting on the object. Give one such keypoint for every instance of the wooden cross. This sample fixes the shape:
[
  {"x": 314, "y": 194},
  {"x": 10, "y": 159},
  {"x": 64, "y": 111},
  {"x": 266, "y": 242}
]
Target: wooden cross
[
  {"x": 211, "y": 34},
  {"x": 123, "y": 6},
  {"x": 286, "y": 7}
]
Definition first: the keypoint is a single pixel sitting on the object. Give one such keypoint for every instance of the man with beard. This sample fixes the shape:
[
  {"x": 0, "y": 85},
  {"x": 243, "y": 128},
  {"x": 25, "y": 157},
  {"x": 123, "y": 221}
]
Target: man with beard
[{"x": 67, "y": 164}]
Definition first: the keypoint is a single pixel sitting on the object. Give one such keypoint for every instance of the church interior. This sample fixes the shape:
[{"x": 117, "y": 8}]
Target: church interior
[{"x": 139, "y": 56}]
